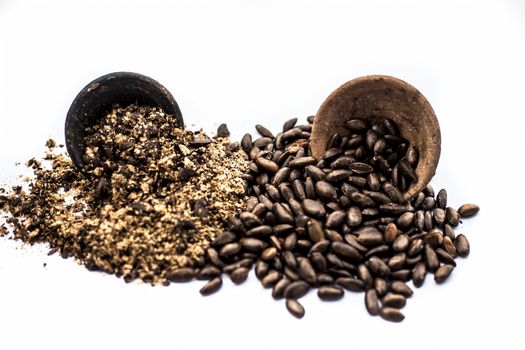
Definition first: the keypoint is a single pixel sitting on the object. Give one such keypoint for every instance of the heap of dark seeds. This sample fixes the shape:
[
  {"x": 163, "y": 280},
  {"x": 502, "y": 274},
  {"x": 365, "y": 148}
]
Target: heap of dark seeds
[
  {"x": 336, "y": 224},
  {"x": 152, "y": 197}
]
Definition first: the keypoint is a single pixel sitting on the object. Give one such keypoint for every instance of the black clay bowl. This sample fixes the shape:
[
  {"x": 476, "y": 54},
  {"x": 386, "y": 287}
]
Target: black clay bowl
[{"x": 98, "y": 97}]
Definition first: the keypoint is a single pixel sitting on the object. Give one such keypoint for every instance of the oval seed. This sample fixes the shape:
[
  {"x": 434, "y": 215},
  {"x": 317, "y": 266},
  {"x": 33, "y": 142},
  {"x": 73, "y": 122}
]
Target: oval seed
[
  {"x": 314, "y": 208},
  {"x": 468, "y": 210},
  {"x": 296, "y": 290},
  {"x": 270, "y": 279},
  {"x": 306, "y": 271},
  {"x": 371, "y": 302},
  {"x": 239, "y": 275},
  {"x": 394, "y": 300},
  {"x": 442, "y": 273},
  {"x": 462, "y": 246},
  {"x": 330, "y": 293},
  {"x": 351, "y": 284},
  {"x": 211, "y": 287},
  {"x": 315, "y": 231},
  {"x": 184, "y": 274},
  {"x": 279, "y": 287},
  {"x": 391, "y": 314},
  {"x": 400, "y": 287},
  {"x": 418, "y": 274},
  {"x": 295, "y": 308}
]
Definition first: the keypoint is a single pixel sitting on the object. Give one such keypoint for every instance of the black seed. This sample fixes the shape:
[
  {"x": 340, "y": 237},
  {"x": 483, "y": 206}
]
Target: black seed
[
  {"x": 263, "y": 131},
  {"x": 351, "y": 284},
  {"x": 360, "y": 168},
  {"x": 267, "y": 164},
  {"x": 314, "y": 208},
  {"x": 261, "y": 269},
  {"x": 394, "y": 300},
  {"x": 296, "y": 290},
  {"x": 391, "y": 314},
  {"x": 346, "y": 250},
  {"x": 222, "y": 131},
  {"x": 289, "y": 124},
  {"x": 468, "y": 210},
  {"x": 330, "y": 293},
  {"x": 442, "y": 273},
  {"x": 442, "y": 198},
  {"x": 302, "y": 162},
  {"x": 208, "y": 272},
  {"x": 338, "y": 175},
  {"x": 431, "y": 259},
  {"x": 295, "y": 308},
  {"x": 369, "y": 236},
  {"x": 462, "y": 246},
  {"x": 279, "y": 287},
  {"x": 183, "y": 274},
  {"x": 365, "y": 276},
  {"x": 400, "y": 287},
  {"x": 224, "y": 238},
  {"x": 270, "y": 279},
  {"x": 306, "y": 271},
  {"x": 325, "y": 191},
  {"x": 211, "y": 287},
  {"x": 418, "y": 274},
  {"x": 239, "y": 275},
  {"x": 371, "y": 302}
]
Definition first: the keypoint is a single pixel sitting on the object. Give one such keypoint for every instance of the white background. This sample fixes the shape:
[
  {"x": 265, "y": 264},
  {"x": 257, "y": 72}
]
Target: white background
[{"x": 247, "y": 62}]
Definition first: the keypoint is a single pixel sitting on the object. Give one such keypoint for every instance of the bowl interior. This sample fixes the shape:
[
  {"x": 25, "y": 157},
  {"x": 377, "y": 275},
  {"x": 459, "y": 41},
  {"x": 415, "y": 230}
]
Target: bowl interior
[
  {"x": 98, "y": 97},
  {"x": 380, "y": 96}
]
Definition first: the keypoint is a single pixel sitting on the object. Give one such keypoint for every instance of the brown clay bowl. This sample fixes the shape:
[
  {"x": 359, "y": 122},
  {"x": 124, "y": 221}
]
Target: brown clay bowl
[{"x": 381, "y": 96}]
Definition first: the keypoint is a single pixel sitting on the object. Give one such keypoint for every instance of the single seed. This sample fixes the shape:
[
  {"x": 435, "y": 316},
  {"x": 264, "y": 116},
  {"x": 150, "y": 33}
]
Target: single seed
[
  {"x": 263, "y": 131},
  {"x": 468, "y": 210},
  {"x": 306, "y": 271},
  {"x": 381, "y": 286},
  {"x": 184, "y": 274},
  {"x": 394, "y": 300},
  {"x": 369, "y": 236},
  {"x": 391, "y": 314},
  {"x": 270, "y": 279},
  {"x": 266, "y": 164},
  {"x": 346, "y": 250},
  {"x": 222, "y": 131},
  {"x": 372, "y": 302},
  {"x": 401, "y": 243},
  {"x": 462, "y": 246},
  {"x": 295, "y": 308},
  {"x": 330, "y": 293},
  {"x": 418, "y": 274},
  {"x": 391, "y": 233},
  {"x": 239, "y": 275},
  {"x": 269, "y": 253},
  {"x": 431, "y": 259},
  {"x": 314, "y": 208},
  {"x": 351, "y": 284},
  {"x": 315, "y": 231},
  {"x": 442, "y": 273},
  {"x": 400, "y": 287},
  {"x": 296, "y": 290},
  {"x": 279, "y": 287},
  {"x": 211, "y": 287}
]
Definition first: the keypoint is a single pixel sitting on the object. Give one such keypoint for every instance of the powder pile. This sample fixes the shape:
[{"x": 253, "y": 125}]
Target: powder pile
[{"x": 150, "y": 200}]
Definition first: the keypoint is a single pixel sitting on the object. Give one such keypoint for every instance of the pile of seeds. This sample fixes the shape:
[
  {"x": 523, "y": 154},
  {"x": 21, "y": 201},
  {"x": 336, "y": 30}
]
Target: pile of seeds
[
  {"x": 166, "y": 205},
  {"x": 336, "y": 224},
  {"x": 151, "y": 199}
]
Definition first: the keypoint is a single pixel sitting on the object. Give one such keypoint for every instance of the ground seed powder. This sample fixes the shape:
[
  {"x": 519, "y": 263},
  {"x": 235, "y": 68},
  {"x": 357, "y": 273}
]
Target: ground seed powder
[{"x": 150, "y": 200}]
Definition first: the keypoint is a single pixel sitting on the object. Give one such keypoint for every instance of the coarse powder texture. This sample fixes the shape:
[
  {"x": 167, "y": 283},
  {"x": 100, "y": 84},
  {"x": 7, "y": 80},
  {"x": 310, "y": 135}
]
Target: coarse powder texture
[{"x": 151, "y": 199}]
